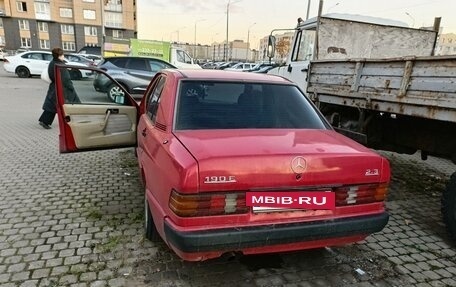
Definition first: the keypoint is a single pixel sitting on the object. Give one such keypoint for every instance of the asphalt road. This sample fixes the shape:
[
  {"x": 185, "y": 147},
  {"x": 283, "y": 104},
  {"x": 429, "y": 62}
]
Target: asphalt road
[{"x": 76, "y": 220}]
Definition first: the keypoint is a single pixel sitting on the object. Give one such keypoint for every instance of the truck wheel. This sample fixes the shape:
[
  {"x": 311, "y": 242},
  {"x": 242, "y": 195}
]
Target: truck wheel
[
  {"x": 149, "y": 227},
  {"x": 449, "y": 207},
  {"x": 22, "y": 72}
]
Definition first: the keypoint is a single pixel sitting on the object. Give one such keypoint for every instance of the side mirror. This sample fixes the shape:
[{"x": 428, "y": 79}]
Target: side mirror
[{"x": 271, "y": 46}]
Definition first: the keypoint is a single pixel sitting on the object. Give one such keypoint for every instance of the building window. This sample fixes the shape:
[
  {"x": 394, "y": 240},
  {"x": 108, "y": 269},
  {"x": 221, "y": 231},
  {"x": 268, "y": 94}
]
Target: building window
[
  {"x": 89, "y": 14},
  {"x": 26, "y": 43},
  {"x": 43, "y": 27},
  {"x": 1, "y": 22},
  {"x": 117, "y": 34},
  {"x": 2, "y": 40},
  {"x": 66, "y": 12},
  {"x": 90, "y": 1},
  {"x": 67, "y": 29},
  {"x": 42, "y": 11},
  {"x": 68, "y": 46},
  {"x": 24, "y": 25},
  {"x": 21, "y": 6},
  {"x": 44, "y": 44},
  {"x": 114, "y": 5},
  {"x": 90, "y": 31},
  {"x": 113, "y": 19}
]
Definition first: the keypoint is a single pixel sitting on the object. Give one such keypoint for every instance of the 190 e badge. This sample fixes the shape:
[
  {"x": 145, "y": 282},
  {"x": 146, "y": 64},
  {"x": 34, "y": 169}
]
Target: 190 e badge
[{"x": 220, "y": 179}]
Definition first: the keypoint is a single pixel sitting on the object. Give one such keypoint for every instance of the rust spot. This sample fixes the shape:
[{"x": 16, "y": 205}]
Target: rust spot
[
  {"x": 336, "y": 50},
  {"x": 387, "y": 83}
]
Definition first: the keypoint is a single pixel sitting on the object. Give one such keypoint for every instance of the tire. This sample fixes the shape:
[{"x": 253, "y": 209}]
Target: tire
[
  {"x": 114, "y": 90},
  {"x": 149, "y": 226},
  {"x": 75, "y": 75},
  {"x": 449, "y": 207},
  {"x": 22, "y": 72}
]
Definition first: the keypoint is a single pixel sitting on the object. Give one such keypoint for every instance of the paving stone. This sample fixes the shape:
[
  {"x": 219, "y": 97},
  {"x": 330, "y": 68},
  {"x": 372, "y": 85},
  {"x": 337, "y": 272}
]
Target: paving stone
[
  {"x": 20, "y": 276},
  {"x": 29, "y": 283},
  {"x": 99, "y": 283},
  {"x": 59, "y": 270},
  {"x": 41, "y": 273},
  {"x": 4, "y": 277},
  {"x": 16, "y": 268}
]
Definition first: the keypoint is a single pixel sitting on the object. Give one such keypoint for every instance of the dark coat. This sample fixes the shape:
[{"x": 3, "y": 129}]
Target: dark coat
[{"x": 69, "y": 93}]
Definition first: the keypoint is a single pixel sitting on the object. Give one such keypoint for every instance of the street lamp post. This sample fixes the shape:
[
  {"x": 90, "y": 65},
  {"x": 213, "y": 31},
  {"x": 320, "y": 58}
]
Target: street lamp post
[
  {"x": 103, "y": 31},
  {"x": 248, "y": 42},
  {"x": 177, "y": 32},
  {"x": 225, "y": 50},
  {"x": 327, "y": 11},
  {"x": 413, "y": 19},
  {"x": 194, "y": 47}
]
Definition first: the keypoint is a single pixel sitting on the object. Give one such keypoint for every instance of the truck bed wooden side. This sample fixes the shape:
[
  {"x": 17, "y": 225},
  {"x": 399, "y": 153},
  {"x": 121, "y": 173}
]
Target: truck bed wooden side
[{"x": 421, "y": 87}]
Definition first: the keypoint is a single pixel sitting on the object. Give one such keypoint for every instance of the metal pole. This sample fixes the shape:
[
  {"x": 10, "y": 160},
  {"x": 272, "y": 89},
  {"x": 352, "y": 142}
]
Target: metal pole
[
  {"x": 308, "y": 9},
  {"x": 194, "y": 47},
  {"x": 248, "y": 42},
  {"x": 320, "y": 10},
  {"x": 225, "y": 52},
  {"x": 436, "y": 28},
  {"x": 103, "y": 32},
  {"x": 247, "y": 54},
  {"x": 194, "y": 43}
]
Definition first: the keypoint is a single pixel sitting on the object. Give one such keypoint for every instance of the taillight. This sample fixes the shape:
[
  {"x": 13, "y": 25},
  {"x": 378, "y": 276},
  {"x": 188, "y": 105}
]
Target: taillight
[
  {"x": 190, "y": 205},
  {"x": 359, "y": 194}
]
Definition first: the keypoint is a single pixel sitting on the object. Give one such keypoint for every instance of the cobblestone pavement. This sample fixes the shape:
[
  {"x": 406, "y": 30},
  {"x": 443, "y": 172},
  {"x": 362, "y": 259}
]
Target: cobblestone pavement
[{"x": 76, "y": 220}]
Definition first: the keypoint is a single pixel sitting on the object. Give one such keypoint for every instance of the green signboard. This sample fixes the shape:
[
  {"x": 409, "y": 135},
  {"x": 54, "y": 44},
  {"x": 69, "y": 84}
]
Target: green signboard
[{"x": 150, "y": 48}]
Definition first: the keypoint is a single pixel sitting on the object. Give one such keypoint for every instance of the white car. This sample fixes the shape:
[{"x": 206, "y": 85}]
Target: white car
[
  {"x": 32, "y": 63},
  {"x": 240, "y": 67},
  {"x": 2, "y": 54}
]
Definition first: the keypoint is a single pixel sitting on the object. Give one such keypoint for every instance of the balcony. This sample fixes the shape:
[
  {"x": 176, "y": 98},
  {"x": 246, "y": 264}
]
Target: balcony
[
  {"x": 113, "y": 7},
  {"x": 42, "y": 16}
]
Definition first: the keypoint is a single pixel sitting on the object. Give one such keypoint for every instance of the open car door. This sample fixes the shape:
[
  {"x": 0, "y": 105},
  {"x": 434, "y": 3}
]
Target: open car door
[{"x": 89, "y": 119}]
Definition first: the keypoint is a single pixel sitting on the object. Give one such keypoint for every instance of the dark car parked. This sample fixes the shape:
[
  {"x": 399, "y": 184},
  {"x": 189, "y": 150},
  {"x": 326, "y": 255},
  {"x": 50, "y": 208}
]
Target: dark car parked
[
  {"x": 133, "y": 73},
  {"x": 77, "y": 58}
]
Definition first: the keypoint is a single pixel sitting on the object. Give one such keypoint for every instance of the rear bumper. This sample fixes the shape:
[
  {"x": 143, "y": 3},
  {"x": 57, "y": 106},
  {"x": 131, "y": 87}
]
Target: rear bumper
[{"x": 269, "y": 235}]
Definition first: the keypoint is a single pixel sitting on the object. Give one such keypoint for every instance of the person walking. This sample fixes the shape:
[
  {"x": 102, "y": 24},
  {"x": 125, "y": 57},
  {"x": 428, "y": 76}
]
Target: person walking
[
  {"x": 70, "y": 95},
  {"x": 49, "y": 105}
]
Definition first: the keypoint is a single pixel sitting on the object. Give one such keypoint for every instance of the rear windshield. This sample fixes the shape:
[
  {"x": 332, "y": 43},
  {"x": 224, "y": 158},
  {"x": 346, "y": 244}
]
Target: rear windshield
[{"x": 241, "y": 105}]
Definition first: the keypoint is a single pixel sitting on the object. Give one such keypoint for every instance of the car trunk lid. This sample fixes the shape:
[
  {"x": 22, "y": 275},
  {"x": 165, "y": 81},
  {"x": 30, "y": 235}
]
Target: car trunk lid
[{"x": 279, "y": 159}]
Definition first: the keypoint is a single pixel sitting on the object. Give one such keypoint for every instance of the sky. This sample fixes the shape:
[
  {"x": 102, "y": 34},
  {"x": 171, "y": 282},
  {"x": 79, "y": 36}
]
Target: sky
[{"x": 175, "y": 20}]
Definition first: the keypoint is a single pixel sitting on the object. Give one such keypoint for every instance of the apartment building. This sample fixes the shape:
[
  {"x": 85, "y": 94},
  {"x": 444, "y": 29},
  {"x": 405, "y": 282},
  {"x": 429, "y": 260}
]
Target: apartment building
[
  {"x": 283, "y": 47},
  {"x": 70, "y": 24},
  {"x": 237, "y": 50},
  {"x": 446, "y": 44}
]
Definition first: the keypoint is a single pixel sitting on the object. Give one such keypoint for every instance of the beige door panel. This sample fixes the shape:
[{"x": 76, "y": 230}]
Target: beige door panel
[{"x": 97, "y": 126}]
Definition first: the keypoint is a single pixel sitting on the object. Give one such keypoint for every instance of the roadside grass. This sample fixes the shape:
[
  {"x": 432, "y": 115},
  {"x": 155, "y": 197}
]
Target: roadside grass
[{"x": 109, "y": 245}]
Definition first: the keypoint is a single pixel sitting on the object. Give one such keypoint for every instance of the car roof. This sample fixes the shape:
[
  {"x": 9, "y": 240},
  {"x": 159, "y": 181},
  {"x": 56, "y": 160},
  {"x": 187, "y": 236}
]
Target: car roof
[
  {"x": 225, "y": 76},
  {"x": 108, "y": 59}
]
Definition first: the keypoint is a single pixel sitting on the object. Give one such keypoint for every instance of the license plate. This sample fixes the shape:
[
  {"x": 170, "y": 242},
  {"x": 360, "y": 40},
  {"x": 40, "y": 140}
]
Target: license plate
[{"x": 268, "y": 201}]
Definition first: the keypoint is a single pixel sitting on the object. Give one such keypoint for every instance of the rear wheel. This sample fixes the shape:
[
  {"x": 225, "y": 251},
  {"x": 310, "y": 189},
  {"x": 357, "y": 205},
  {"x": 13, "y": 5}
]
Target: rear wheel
[
  {"x": 75, "y": 75},
  {"x": 23, "y": 72},
  {"x": 115, "y": 91},
  {"x": 149, "y": 225},
  {"x": 449, "y": 207}
]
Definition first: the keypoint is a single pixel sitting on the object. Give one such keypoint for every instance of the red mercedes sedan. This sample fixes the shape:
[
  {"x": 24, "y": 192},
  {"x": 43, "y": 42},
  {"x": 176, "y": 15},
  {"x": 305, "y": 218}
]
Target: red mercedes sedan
[{"x": 231, "y": 162}]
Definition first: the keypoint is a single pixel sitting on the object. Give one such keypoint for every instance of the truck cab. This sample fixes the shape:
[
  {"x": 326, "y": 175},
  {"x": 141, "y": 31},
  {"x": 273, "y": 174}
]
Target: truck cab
[{"x": 182, "y": 60}]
